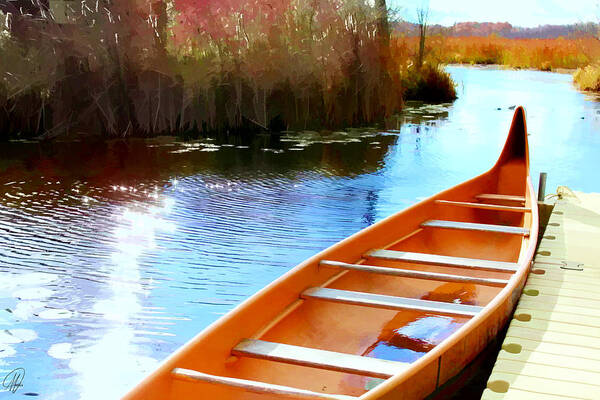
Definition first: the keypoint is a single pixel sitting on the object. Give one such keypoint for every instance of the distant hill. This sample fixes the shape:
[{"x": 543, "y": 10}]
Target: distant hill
[{"x": 503, "y": 29}]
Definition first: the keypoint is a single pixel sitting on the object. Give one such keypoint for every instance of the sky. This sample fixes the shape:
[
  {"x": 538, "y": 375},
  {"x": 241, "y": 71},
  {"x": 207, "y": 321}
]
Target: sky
[{"x": 526, "y": 13}]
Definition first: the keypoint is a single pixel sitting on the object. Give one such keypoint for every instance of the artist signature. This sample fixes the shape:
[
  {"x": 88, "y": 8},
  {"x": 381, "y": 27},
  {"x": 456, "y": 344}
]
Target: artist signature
[{"x": 12, "y": 381}]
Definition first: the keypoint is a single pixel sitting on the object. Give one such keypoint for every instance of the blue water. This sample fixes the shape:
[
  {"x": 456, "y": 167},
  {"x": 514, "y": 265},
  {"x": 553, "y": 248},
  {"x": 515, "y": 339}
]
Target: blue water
[{"x": 113, "y": 256}]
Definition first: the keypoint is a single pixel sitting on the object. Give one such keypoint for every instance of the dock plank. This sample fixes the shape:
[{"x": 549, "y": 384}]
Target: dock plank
[
  {"x": 542, "y": 386},
  {"x": 558, "y": 373},
  {"x": 562, "y": 291},
  {"x": 557, "y": 316},
  {"x": 516, "y": 394},
  {"x": 556, "y": 360},
  {"x": 571, "y": 349},
  {"x": 555, "y": 326},
  {"x": 553, "y": 337}
]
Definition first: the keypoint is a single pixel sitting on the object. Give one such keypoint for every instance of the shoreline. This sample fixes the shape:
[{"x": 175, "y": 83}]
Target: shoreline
[{"x": 508, "y": 67}]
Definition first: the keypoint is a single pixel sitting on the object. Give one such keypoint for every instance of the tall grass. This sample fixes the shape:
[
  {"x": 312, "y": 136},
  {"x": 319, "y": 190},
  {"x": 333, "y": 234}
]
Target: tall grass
[
  {"x": 141, "y": 67},
  {"x": 588, "y": 78},
  {"x": 428, "y": 82},
  {"x": 542, "y": 54},
  {"x": 150, "y": 67},
  {"x": 580, "y": 54}
]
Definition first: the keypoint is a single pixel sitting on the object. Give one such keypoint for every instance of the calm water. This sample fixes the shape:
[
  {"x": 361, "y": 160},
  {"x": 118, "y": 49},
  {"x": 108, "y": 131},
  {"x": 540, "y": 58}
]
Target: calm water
[{"x": 113, "y": 255}]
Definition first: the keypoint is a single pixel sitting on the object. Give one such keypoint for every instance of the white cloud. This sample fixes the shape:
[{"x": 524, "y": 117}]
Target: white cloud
[{"x": 518, "y": 12}]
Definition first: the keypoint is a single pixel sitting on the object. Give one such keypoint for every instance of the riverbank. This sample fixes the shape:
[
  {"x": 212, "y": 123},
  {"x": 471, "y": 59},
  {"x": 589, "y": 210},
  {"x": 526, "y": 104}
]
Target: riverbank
[
  {"x": 586, "y": 79},
  {"x": 540, "y": 54},
  {"x": 500, "y": 67},
  {"x": 248, "y": 68}
]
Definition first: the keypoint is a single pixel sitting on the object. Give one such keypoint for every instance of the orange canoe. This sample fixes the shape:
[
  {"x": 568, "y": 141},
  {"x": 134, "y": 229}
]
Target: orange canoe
[{"x": 392, "y": 312}]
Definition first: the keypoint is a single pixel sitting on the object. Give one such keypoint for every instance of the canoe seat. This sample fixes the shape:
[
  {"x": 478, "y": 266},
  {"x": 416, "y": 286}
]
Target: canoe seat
[
  {"x": 483, "y": 206},
  {"x": 255, "y": 386},
  {"x": 315, "y": 358},
  {"x": 423, "y": 258},
  {"x": 390, "y": 302},
  {"x": 416, "y": 274},
  {"x": 470, "y": 226},
  {"x": 500, "y": 197}
]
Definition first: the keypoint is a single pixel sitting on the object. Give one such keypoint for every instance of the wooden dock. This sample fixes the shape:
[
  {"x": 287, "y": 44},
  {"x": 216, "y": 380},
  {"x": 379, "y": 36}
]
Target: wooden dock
[{"x": 552, "y": 347}]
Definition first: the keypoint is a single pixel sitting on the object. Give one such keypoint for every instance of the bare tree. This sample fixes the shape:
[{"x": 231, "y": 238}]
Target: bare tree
[
  {"x": 383, "y": 24},
  {"x": 423, "y": 22}
]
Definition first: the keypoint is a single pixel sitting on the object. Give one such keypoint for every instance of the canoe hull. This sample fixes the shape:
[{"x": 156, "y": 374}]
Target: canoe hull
[{"x": 278, "y": 314}]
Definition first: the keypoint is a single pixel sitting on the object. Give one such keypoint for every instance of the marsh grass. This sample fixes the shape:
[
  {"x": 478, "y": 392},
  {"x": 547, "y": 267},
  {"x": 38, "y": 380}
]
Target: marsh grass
[
  {"x": 148, "y": 67},
  {"x": 588, "y": 78},
  {"x": 541, "y": 54},
  {"x": 118, "y": 69},
  {"x": 580, "y": 54},
  {"x": 428, "y": 82}
]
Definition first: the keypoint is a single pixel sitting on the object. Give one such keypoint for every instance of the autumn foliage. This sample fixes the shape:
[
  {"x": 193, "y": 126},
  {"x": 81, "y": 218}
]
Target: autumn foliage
[
  {"x": 542, "y": 54},
  {"x": 588, "y": 77},
  {"x": 148, "y": 67},
  {"x": 579, "y": 53}
]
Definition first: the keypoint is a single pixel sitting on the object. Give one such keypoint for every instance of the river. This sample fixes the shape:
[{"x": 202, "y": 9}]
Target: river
[{"x": 112, "y": 255}]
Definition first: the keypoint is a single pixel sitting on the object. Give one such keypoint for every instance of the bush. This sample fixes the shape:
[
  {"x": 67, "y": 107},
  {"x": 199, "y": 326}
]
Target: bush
[
  {"x": 588, "y": 78},
  {"x": 431, "y": 84}
]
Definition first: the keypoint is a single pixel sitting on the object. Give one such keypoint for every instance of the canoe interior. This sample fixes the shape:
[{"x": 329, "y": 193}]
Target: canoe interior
[{"x": 277, "y": 314}]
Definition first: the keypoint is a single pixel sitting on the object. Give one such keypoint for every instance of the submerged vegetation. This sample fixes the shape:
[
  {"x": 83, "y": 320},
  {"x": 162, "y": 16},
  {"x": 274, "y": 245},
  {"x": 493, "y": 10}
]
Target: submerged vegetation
[{"x": 150, "y": 67}]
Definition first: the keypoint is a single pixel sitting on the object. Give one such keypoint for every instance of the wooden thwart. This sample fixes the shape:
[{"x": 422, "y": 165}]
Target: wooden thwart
[
  {"x": 390, "y": 302},
  {"x": 423, "y": 258},
  {"x": 257, "y": 387},
  {"x": 471, "y": 226},
  {"x": 483, "y": 206},
  {"x": 316, "y": 358},
  {"x": 500, "y": 197},
  {"x": 416, "y": 274}
]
